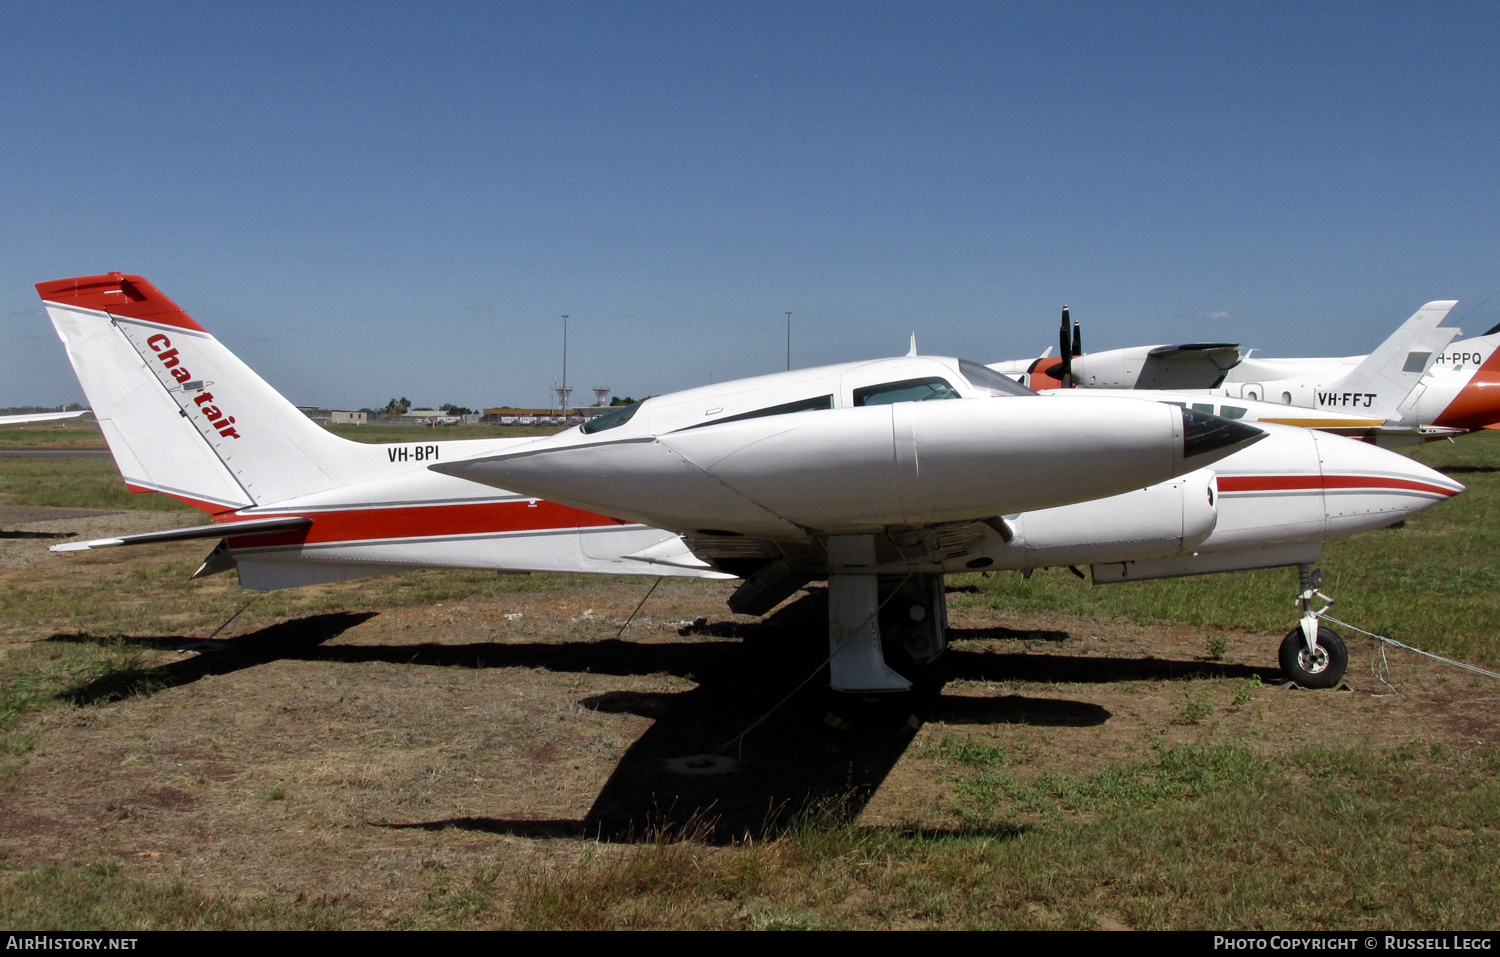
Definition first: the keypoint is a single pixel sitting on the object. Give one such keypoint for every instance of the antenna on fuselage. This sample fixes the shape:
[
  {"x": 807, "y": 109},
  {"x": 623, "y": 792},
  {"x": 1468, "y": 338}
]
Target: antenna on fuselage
[{"x": 913, "y": 350}]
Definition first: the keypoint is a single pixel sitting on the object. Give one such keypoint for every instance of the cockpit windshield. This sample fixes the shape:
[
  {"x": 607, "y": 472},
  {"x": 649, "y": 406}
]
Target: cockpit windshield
[
  {"x": 988, "y": 380},
  {"x": 609, "y": 420}
]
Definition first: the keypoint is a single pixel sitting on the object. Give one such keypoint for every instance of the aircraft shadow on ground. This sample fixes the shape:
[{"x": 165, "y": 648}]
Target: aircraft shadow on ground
[
  {"x": 296, "y": 639},
  {"x": 819, "y": 754}
]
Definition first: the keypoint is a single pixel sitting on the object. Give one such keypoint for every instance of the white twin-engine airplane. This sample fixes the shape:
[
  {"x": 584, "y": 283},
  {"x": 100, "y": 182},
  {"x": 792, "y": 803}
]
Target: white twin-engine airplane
[
  {"x": 880, "y": 477},
  {"x": 1417, "y": 386}
]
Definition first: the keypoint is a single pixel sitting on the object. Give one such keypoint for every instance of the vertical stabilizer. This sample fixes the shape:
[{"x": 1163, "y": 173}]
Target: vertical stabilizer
[
  {"x": 1396, "y": 367},
  {"x": 181, "y": 413}
]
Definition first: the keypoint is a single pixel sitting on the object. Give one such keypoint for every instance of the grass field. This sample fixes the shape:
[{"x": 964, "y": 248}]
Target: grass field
[{"x": 1235, "y": 807}]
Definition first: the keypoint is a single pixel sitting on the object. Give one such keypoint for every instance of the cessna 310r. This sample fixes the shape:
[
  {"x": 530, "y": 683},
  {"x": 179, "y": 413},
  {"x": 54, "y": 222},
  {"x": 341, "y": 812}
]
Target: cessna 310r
[
  {"x": 1417, "y": 386},
  {"x": 849, "y": 473}
]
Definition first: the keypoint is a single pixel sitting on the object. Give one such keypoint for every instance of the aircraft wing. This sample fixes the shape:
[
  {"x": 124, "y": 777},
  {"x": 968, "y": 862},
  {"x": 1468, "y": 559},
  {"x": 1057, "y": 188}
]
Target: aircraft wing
[
  {"x": 1193, "y": 365},
  {"x": 38, "y": 417}
]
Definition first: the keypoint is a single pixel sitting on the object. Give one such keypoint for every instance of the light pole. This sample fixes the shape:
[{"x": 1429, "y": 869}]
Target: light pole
[
  {"x": 565, "y": 371},
  {"x": 789, "y": 340}
]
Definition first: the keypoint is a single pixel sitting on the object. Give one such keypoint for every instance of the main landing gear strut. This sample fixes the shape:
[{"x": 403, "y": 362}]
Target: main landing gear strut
[
  {"x": 1312, "y": 654},
  {"x": 912, "y": 611}
]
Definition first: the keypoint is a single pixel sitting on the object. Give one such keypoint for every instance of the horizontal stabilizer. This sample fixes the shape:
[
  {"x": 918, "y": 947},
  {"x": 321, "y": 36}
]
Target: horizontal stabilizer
[
  {"x": 38, "y": 417},
  {"x": 254, "y": 526}
]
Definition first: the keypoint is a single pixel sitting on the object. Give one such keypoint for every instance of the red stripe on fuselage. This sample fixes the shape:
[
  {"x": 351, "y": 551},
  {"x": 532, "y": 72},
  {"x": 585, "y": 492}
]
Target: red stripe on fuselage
[
  {"x": 423, "y": 521},
  {"x": 118, "y": 295},
  {"x": 1291, "y": 483}
]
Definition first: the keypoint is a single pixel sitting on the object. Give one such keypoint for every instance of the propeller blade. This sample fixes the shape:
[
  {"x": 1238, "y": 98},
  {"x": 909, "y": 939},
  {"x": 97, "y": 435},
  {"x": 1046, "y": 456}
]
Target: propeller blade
[{"x": 1065, "y": 370}]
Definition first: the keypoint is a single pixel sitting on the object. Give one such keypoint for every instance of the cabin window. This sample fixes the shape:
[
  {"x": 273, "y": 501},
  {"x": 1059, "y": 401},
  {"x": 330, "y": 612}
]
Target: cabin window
[
  {"x": 1204, "y": 407},
  {"x": 1232, "y": 412},
  {"x": 609, "y": 420},
  {"x": 907, "y": 390},
  {"x": 787, "y": 408}
]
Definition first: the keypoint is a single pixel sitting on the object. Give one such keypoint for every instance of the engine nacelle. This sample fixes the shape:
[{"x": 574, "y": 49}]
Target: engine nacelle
[{"x": 1164, "y": 519}]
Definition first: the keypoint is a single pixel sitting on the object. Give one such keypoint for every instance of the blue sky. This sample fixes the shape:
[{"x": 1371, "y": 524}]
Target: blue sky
[{"x": 366, "y": 200}]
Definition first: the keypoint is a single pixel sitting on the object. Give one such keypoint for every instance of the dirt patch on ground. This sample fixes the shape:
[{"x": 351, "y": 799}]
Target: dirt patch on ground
[{"x": 353, "y": 756}]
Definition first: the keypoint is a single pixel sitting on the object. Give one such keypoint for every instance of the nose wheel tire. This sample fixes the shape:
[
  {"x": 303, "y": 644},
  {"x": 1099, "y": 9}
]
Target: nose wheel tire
[{"x": 1323, "y": 668}]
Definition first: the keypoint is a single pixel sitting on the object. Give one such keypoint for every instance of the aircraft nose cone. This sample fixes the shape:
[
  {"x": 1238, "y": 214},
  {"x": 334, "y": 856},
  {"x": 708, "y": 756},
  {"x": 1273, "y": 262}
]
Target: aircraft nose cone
[
  {"x": 1368, "y": 487},
  {"x": 1204, "y": 434}
]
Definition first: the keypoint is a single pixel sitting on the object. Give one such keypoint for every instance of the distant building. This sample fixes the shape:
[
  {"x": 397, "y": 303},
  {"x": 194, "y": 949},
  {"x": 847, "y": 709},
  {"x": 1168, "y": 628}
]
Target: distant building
[
  {"x": 438, "y": 417},
  {"x": 340, "y": 417},
  {"x": 509, "y": 416}
]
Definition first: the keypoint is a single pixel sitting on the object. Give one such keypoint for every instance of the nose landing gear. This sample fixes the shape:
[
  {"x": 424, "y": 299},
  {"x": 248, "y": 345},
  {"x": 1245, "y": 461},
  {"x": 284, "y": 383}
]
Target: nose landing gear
[
  {"x": 1318, "y": 666},
  {"x": 1312, "y": 654}
]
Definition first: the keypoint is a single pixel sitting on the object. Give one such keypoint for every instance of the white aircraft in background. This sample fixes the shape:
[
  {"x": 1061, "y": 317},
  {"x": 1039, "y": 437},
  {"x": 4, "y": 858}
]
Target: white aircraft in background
[
  {"x": 30, "y": 417},
  {"x": 1417, "y": 386},
  {"x": 1194, "y": 365},
  {"x": 880, "y": 477},
  {"x": 1459, "y": 390}
]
